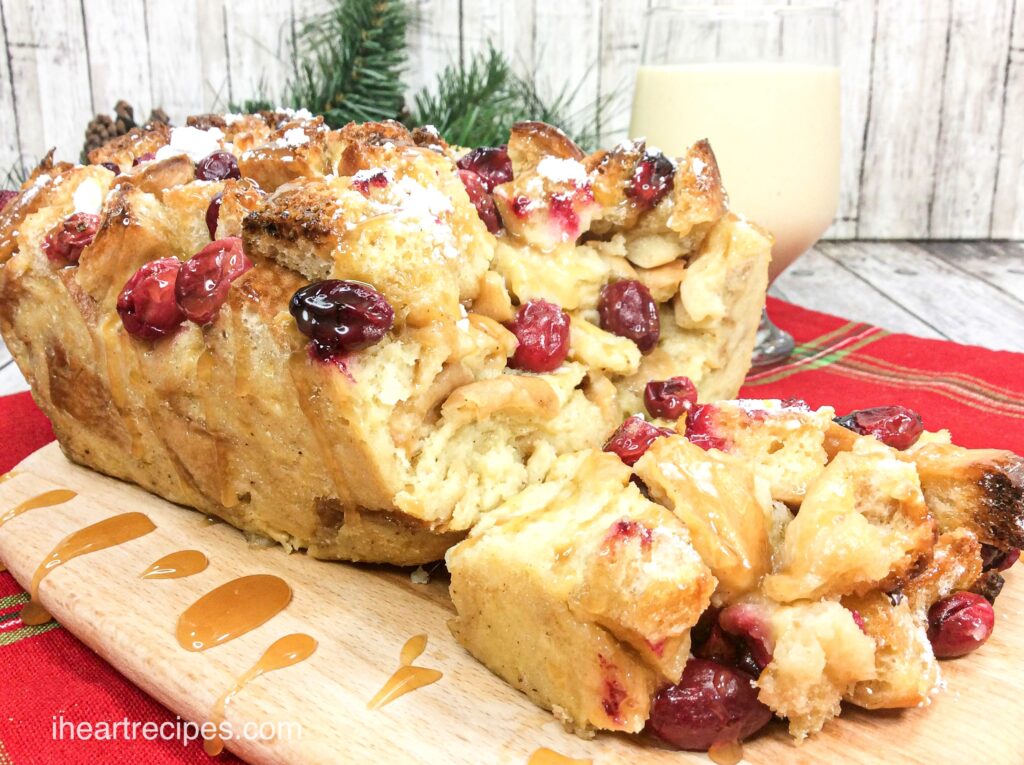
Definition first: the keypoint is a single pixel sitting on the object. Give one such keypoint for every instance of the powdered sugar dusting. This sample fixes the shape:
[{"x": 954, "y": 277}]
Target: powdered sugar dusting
[{"x": 562, "y": 170}]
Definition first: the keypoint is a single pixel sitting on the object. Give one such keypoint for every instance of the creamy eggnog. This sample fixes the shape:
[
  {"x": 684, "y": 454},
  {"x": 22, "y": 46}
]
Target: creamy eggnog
[{"x": 774, "y": 128}]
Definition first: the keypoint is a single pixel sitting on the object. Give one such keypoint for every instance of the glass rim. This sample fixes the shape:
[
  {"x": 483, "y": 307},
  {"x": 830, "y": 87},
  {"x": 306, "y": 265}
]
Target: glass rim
[{"x": 814, "y": 7}]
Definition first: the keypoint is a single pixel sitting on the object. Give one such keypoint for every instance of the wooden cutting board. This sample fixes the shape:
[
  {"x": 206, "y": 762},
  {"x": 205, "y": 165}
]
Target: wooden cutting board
[{"x": 361, "y": 616}]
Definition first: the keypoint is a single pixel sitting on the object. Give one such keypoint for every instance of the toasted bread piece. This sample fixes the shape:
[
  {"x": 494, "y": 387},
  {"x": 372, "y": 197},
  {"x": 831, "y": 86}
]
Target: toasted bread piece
[
  {"x": 862, "y": 525},
  {"x": 580, "y": 593},
  {"x": 125, "y": 149},
  {"x": 906, "y": 672},
  {"x": 783, "y": 441},
  {"x": 718, "y": 499},
  {"x": 820, "y": 655}
]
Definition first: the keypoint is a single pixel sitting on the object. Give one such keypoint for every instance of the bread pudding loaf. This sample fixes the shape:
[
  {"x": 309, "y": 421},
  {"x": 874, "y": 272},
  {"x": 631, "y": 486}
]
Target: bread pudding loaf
[{"x": 358, "y": 341}]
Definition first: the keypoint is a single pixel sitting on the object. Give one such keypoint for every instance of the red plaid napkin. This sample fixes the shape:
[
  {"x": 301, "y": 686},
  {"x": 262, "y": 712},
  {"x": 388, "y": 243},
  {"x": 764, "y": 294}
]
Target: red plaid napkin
[{"x": 976, "y": 393}]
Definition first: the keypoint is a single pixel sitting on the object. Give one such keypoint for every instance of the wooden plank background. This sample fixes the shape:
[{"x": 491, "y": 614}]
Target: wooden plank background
[{"x": 933, "y": 90}]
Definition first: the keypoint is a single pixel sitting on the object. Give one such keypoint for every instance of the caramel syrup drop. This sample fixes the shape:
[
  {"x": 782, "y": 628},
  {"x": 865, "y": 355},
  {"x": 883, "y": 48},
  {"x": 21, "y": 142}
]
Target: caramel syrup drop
[
  {"x": 3, "y": 568},
  {"x": 406, "y": 678},
  {"x": 726, "y": 752},
  {"x": 7, "y": 476},
  {"x": 286, "y": 652},
  {"x": 544, "y": 756},
  {"x": 99, "y": 536},
  {"x": 232, "y": 609},
  {"x": 211, "y": 520},
  {"x": 46, "y": 499},
  {"x": 177, "y": 565}
]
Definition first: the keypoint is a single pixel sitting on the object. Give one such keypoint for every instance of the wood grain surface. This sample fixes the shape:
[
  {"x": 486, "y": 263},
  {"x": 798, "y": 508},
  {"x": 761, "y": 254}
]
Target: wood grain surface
[{"x": 361, "y": 616}]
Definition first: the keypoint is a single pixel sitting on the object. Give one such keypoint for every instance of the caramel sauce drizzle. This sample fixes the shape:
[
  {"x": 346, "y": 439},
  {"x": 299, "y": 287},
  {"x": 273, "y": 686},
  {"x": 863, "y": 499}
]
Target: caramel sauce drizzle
[
  {"x": 406, "y": 678},
  {"x": 7, "y": 476},
  {"x": 286, "y": 652},
  {"x": 3, "y": 568},
  {"x": 211, "y": 520},
  {"x": 545, "y": 756},
  {"x": 726, "y": 752},
  {"x": 46, "y": 499},
  {"x": 177, "y": 565},
  {"x": 231, "y": 610},
  {"x": 98, "y": 536}
]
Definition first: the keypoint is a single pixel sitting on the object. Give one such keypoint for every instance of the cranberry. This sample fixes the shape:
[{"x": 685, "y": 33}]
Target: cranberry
[
  {"x": 994, "y": 559},
  {"x": 205, "y": 278},
  {"x": 111, "y": 167},
  {"x": 65, "y": 242},
  {"x": 634, "y": 436},
  {"x": 700, "y": 428},
  {"x": 959, "y": 623},
  {"x": 521, "y": 206},
  {"x": 147, "y": 157},
  {"x": 341, "y": 316},
  {"x": 146, "y": 304},
  {"x": 491, "y": 163},
  {"x": 711, "y": 704},
  {"x": 481, "y": 200},
  {"x": 562, "y": 208},
  {"x": 749, "y": 624},
  {"x": 627, "y": 309},
  {"x": 6, "y": 195},
  {"x": 364, "y": 180},
  {"x": 213, "y": 215},
  {"x": 895, "y": 426},
  {"x": 542, "y": 329},
  {"x": 653, "y": 178},
  {"x": 670, "y": 398},
  {"x": 218, "y": 166}
]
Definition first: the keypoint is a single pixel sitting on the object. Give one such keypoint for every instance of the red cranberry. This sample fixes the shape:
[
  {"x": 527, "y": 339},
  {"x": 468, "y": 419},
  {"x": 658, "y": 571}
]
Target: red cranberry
[
  {"x": 959, "y": 623},
  {"x": 711, "y": 704},
  {"x": 895, "y": 426},
  {"x": 6, "y": 195},
  {"x": 146, "y": 304},
  {"x": 491, "y": 163},
  {"x": 749, "y": 624},
  {"x": 367, "y": 179},
  {"x": 341, "y": 316},
  {"x": 213, "y": 215},
  {"x": 653, "y": 178},
  {"x": 670, "y": 398},
  {"x": 634, "y": 436},
  {"x": 65, "y": 242},
  {"x": 700, "y": 428},
  {"x": 994, "y": 559},
  {"x": 627, "y": 309},
  {"x": 111, "y": 167},
  {"x": 218, "y": 166},
  {"x": 205, "y": 278},
  {"x": 562, "y": 208},
  {"x": 521, "y": 206},
  {"x": 481, "y": 200},
  {"x": 542, "y": 329},
  {"x": 147, "y": 157}
]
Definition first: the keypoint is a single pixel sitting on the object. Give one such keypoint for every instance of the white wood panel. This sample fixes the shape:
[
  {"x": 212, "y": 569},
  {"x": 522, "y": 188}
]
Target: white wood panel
[
  {"x": 433, "y": 42},
  {"x": 970, "y": 120},
  {"x": 259, "y": 36},
  {"x": 122, "y": 24},
  {"x": 509, "y": 26},
  {"x": 856, "y": 45},
  {"x": 46, "y": 48},
  {"x": 1008, "y": 206},
  {"x": 898, "y": 166},
  {"x": 567, "y": 47},
  {"x": 621, "y": 43},
  {"x": 10, "y": 148}
]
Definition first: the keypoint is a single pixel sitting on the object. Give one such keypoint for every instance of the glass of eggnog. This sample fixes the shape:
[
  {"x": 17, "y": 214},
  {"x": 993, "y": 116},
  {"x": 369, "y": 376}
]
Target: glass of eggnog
[{"x": 761, "y": 82}]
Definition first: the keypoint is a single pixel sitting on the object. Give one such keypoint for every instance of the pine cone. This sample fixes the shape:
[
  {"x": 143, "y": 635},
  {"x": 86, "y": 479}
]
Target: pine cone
[
  {"x": 125, "y": 116},
  {"x": 159, "y": 115},
  {"x": 100, "y": 130}
]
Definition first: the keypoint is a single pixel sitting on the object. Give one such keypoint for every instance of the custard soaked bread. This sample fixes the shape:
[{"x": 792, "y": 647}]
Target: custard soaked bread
[
  {"x": 805, "y": 560},
  {"x": 359, "y": 341}
]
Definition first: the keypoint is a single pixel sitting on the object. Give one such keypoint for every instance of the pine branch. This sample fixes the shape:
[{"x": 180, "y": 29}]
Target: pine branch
[{"x": 352, "y": 58}]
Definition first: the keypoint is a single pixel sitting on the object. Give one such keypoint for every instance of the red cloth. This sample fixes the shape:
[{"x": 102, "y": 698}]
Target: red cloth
[{"x": 976, "y": 393}]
